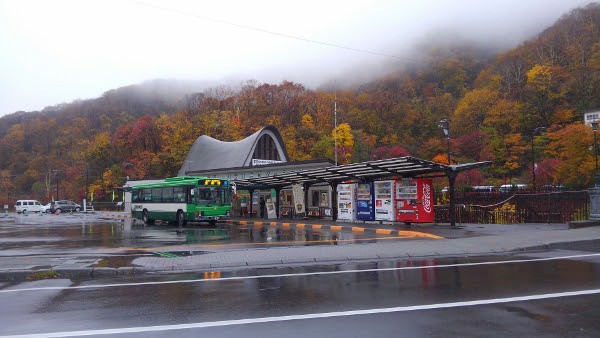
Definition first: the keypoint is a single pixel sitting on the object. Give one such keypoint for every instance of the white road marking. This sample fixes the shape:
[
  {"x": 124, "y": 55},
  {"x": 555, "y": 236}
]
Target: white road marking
[
  {"x": 303, "y": 274},
  {"x": 245, "y": 321}
]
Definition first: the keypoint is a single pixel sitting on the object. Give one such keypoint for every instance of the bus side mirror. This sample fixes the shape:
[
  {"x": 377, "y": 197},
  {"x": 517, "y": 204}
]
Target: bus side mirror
[{"x": 192, "y": 192}]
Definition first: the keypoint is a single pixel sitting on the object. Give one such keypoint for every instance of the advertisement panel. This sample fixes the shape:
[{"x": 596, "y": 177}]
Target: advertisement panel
[
  {"x": 271, "y": 214},
  {"x": 346, "y": 202},
  {"x": 414, "y": 201},
  {"x": 365, "y": 209},
  {"x": 384, "y": 200},
  {"x": 298, "y": 194}
]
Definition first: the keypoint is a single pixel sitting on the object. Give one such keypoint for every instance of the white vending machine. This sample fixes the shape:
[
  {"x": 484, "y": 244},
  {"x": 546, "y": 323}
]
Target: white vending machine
[
  {"x": 384, "y": 200},
  {"x": 346, "y": 202}
]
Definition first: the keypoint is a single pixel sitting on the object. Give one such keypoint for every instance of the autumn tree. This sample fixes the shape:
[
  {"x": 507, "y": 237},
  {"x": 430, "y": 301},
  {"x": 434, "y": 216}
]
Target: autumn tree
[
  {"x": 544, "y": 85},
  {"x": 344, "y": 139},
  {"x": 573, "y": 147},
  {"x": 473, "y": 108}
]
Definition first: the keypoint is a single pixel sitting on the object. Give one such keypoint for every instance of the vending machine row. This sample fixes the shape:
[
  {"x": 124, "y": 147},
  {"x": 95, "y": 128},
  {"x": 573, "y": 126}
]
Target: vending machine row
[{"x": 409, "y": 200}]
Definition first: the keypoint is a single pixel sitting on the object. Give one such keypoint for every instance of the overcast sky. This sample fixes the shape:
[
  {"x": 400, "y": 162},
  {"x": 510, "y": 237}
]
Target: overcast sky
[{"x": 62, "y": 50}]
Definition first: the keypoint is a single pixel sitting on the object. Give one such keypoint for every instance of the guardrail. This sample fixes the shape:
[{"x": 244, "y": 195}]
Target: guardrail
[{"x": 553, "y": 207}]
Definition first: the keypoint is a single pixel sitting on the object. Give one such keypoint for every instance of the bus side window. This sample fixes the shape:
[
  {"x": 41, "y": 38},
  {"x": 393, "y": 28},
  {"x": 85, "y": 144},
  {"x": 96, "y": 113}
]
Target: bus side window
[
  {"x": 157, "y": 195},
  {"x": 179, "y": 194},
  {"x": 147, "y": 193},
  {"x": 167, "y": 195}
]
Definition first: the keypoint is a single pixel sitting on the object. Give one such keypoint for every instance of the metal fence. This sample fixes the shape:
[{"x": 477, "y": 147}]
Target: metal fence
[{"x": 552, "y": 207}]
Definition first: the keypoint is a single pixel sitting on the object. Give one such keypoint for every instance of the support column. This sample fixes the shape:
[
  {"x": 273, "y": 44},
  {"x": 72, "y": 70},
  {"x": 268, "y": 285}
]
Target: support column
[
  {"x": 334, "y": 204},
  {"x": 306, "y": 187},
  {"x": 251, "y": 191},
  {"x": 452, "y": 212},
  {"x": 277, "y": 199}
]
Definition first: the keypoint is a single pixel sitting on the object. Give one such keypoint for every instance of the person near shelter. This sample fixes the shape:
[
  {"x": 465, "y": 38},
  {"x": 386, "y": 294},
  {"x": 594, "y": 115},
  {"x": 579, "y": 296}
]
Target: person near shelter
[{"x": 262, "y": 207}]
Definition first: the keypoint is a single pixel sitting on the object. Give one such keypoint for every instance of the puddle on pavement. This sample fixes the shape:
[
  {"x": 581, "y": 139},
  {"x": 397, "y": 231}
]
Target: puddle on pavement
[
  {"x": 129, "y": 236},
  {"x": 115, "y": 262}
]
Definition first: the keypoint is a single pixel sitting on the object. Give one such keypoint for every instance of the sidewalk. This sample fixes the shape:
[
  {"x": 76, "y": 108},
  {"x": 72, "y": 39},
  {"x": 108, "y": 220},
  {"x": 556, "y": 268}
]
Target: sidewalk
[
  {"x": 427, "y": 241},
  {"x": 504, "y": 239}
]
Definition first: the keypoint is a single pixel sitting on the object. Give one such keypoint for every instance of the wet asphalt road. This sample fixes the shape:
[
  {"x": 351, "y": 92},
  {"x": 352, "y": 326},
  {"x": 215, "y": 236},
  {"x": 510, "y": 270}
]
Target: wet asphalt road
[
  {"x": 422, "y": 302},
  {"x": 494, "y": 296}
]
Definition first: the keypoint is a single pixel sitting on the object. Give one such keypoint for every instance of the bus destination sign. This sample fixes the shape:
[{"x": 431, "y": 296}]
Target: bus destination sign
[{"x": 214, "y": 182}]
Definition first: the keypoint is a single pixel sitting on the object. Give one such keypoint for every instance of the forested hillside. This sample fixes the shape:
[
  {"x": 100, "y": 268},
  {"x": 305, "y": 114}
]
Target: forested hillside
[{"x": 496, "y": 106}]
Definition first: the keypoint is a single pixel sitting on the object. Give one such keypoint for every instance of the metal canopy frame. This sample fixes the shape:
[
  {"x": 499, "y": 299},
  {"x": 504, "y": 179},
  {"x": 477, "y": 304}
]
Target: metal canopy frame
[{"x": 406, "y": 166}]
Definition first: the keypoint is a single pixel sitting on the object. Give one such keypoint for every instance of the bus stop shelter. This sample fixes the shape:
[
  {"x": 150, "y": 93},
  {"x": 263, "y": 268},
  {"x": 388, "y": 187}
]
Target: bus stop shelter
[{"x": 406, "y": 167}]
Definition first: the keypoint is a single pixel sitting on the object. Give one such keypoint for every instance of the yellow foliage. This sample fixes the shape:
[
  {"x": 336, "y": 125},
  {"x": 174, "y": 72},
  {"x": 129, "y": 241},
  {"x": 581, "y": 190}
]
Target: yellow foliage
[
  {"x": 503, "y": 117},
  {"x": 344, "y": 135},
  {"x": 307, "y": 121},
  {"x": 473, "y": 108},
  {"x": 539, "y": 77},
  {"x": 345, "y": 142}
]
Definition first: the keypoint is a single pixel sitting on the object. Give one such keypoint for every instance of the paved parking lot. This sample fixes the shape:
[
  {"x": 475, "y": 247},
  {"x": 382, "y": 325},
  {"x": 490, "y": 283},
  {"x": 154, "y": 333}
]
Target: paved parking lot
[{"x": 41, "y": 242}]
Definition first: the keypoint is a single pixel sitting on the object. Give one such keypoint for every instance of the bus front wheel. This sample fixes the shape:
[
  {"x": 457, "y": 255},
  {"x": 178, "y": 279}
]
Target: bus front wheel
[{"x": 146, "y": 217}]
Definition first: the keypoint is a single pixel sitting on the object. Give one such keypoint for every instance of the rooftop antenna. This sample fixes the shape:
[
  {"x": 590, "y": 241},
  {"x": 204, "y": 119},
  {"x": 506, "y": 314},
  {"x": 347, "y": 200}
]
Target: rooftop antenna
[{"x": 335, "y": 125}]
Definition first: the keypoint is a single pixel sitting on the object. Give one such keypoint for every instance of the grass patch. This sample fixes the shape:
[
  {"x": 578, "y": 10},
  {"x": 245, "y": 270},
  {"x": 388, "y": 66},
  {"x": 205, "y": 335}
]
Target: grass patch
[{"x": 50, "y": 274}]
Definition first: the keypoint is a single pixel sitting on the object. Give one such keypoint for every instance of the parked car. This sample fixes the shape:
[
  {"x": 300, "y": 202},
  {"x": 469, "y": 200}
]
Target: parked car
[
  {"x": 64, "y": 206},
  {"x": 28, "y": 206},
  {"x": 46, "y": 208}
]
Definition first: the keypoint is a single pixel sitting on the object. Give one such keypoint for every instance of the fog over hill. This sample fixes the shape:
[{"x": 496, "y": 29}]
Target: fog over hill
[{"x": 65, "y": 51}]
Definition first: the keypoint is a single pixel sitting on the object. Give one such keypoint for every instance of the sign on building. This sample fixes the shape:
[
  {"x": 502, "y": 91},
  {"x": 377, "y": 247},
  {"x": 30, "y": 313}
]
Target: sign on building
[{"x": 264, "y": 162}]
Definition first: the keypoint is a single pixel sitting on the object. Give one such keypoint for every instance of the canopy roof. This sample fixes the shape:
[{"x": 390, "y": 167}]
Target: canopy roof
[{"x": 364, "y": 171}]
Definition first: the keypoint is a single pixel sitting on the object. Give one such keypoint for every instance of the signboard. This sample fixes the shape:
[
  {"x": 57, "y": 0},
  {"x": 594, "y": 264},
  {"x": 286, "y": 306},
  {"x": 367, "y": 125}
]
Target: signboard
[
  {"x": 264, "y": 162},
  {"x": 298, "y": 193},
  {"x": 271, "y": 214},
  {"x": 590, "y": 117}
]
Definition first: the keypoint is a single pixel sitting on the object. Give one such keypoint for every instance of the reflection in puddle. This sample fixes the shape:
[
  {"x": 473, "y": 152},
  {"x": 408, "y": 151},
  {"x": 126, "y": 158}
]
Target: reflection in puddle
[
  {"x": 133, "y": 235},
  {"x": 193, "y": 236}
]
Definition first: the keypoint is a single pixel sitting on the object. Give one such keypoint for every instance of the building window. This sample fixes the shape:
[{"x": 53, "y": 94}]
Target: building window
[{"x": 266, "y": 149}]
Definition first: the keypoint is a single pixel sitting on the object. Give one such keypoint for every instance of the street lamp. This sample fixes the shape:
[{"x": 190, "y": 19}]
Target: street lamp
[
  {"x": 445, "y": 126},
  {"x": 596, "y": 175},
  {"x": 535, "y": 131}
]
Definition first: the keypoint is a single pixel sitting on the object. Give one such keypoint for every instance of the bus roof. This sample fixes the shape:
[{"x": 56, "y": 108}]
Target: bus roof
[{"x": 182, "y": 180}]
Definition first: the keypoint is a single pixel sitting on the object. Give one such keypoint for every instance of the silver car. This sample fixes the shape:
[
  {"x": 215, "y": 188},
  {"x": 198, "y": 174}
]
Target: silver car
[{"x": 64, "y": 206}]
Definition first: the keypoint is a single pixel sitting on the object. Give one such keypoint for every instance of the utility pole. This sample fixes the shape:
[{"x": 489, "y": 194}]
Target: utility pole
[
  {"x": 335, "y": 127},
  {"x": 87, "y": 180},
  {"x": 445, "y": 126},
  {"x": 55, "y": 172}
]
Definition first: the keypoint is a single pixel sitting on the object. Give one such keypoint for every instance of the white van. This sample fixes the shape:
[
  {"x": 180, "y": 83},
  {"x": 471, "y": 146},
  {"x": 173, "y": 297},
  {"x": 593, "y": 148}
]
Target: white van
[{"x": 28, "y": 205}]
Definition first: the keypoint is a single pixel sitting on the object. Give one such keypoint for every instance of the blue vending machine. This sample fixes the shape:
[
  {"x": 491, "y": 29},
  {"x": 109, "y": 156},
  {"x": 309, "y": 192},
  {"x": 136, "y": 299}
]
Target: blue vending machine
[{"x": 365, "y": 210}]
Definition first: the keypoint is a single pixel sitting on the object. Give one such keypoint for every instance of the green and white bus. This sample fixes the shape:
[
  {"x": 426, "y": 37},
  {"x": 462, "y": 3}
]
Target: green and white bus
[{"x": 181, "y": 200}]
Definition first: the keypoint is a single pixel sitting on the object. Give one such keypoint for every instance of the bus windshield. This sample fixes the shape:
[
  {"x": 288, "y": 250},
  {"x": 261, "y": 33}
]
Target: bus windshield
[{"x": 217, "y": 195}]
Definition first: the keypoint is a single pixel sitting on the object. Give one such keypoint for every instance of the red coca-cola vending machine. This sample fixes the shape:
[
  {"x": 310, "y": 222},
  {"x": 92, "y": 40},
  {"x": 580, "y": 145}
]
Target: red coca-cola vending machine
[{"x": 414, "y": 200}]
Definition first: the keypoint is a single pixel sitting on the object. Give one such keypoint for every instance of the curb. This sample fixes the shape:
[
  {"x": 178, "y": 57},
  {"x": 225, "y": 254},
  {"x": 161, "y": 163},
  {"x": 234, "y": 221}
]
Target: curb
[{"x": 338, "y": 227}]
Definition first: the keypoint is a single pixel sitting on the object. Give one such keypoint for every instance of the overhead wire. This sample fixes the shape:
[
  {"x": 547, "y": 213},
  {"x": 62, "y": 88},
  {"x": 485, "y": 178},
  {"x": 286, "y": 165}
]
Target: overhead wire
[{"x": 266, "y": 31}]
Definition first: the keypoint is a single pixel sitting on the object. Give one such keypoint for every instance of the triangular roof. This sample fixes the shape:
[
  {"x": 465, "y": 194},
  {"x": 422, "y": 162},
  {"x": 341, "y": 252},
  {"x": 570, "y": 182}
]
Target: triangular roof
[{"x": 208, "y": 153}]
